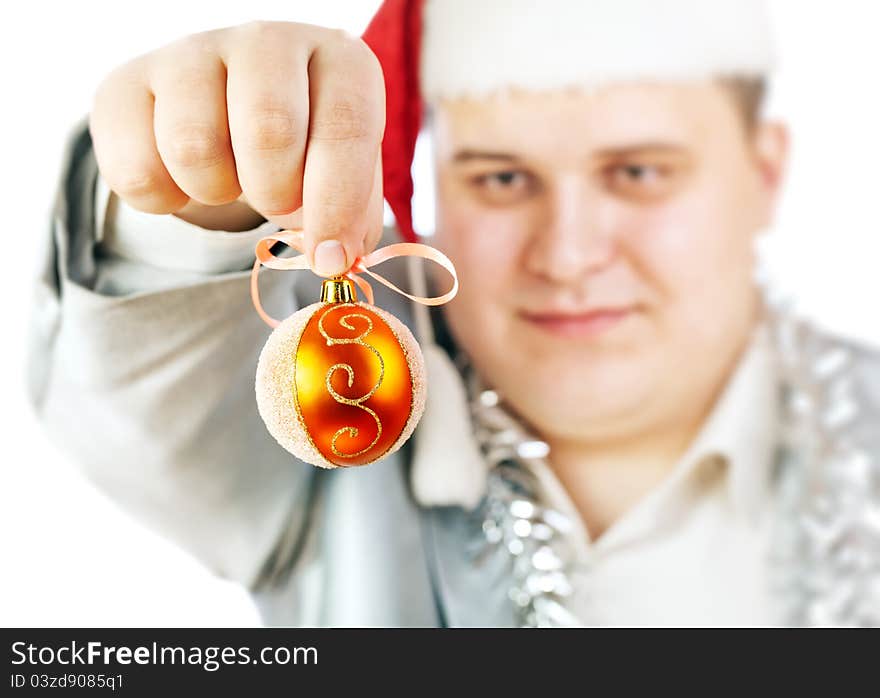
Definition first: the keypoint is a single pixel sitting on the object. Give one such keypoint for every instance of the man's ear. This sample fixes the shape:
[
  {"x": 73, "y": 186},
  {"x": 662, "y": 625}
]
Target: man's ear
[{"x": 771, "y": 148}]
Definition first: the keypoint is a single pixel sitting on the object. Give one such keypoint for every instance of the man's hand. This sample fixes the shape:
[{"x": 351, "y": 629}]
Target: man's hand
[{"x": 279, "y": 115}]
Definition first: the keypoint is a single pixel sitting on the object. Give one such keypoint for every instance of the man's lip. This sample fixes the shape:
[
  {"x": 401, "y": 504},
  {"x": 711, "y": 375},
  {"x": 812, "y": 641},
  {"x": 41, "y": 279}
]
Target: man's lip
[
  {"x": 551, "y": 315},
  {"x": 583, "y": 324}
]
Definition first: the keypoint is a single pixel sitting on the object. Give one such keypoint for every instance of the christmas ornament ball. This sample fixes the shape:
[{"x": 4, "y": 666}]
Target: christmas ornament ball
[{"x": 341, "y": 384}]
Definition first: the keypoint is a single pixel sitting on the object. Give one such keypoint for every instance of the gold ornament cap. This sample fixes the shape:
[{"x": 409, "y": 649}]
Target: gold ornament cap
[{"x": 338, "y": 290}]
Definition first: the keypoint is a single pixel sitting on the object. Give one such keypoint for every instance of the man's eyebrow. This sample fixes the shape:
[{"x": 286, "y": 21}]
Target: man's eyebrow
[
  {"x": 468, "y": 154},
  {"x": 635, "y": 148}
]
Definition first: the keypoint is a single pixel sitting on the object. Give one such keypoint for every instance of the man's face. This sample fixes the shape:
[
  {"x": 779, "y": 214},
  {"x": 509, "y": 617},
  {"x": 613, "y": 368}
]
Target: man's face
[{"x": 604, "y": 243}]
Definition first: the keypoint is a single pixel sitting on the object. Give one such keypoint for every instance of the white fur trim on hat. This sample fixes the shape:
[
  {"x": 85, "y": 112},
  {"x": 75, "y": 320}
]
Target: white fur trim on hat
[{"x": 474, "y": 48}]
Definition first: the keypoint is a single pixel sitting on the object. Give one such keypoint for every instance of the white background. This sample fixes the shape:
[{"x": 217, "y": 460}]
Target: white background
[{"x": 70, "y": 557}]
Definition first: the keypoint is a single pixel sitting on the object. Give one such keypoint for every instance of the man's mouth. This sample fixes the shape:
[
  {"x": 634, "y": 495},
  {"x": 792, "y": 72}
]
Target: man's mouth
[{"x": 585, "y": 324}]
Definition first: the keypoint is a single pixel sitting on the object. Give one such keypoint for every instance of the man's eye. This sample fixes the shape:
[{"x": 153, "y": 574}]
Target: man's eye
[
  {"x": 640, "y": 173},
  {"x": 503, "y": 188},
  {"x": 501, "y": 180},
  {"x": 641, "y": 182}
]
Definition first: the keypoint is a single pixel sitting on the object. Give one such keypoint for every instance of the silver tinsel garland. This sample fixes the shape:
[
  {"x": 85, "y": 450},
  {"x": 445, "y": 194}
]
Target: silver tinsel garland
[
  {"x": 512, "y": 515},
  {"x": 826, "y": 560},
  {"x": 825, "y": 564}
]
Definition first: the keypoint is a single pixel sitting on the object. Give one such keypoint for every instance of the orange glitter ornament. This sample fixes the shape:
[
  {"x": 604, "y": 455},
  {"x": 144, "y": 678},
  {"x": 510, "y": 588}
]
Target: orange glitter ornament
[{"x": 341, "y": 383}]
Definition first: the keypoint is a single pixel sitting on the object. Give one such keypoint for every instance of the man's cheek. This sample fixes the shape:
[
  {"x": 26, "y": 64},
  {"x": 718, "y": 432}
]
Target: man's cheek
[
  {"x": 483, "y": 253},
  {"x": 679, "y": 245},
  {"x": 675, "y": 231}
]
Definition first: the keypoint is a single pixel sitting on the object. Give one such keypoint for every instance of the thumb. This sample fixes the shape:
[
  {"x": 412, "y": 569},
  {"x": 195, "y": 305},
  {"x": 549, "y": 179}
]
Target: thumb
[{"x": 375, "y": 210}]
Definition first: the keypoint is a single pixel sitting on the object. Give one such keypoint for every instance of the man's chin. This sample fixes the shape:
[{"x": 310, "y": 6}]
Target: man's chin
[{"x": 573, "y": 406}]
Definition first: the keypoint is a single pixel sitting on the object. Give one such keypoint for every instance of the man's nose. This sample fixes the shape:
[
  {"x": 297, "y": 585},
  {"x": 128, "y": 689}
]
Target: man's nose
[{"x": 574, "y": 235}]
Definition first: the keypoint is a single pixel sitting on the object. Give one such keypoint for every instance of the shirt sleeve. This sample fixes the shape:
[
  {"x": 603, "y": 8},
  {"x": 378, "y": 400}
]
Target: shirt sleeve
[
  {"x": 144, "y": 377},
  {"x": 169, "y": 242}
]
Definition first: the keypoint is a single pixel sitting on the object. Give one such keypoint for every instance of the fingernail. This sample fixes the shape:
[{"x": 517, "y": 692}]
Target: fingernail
[{"x": 330, "y": 258}]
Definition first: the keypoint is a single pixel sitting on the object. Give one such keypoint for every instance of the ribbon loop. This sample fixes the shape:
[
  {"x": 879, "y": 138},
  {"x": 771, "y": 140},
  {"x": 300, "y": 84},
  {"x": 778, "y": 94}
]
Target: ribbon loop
[{"x": 295, "y": 239}]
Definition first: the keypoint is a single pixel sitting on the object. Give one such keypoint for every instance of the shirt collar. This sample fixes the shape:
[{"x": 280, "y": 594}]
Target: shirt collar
[
  {"x": 743, "y": 424},
  {"x": 448, "y": 467}
]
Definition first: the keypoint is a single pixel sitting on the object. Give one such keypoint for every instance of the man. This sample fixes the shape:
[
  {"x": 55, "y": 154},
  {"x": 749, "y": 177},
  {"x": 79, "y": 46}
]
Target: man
[{"x": 619, "y": 429}]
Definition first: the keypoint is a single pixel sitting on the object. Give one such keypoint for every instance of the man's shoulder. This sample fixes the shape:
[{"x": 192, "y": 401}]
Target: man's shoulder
[
  {"x": 865, "y": 362},
  {"x": 837, "y": 365}
]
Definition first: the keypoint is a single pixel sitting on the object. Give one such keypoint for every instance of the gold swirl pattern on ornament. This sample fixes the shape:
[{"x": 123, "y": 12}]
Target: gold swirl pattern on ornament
[{"x": 354, "y": 402}]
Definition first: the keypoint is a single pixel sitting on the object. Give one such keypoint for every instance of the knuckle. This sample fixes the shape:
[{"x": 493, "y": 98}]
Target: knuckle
[
  {"x": 362, "y": 63},
  {"x": 345, "y": 119},
  {"x": 351, "y": 45},
  {"x": 202, "y": 42},
  {"x": 111, "y": 87},
  {"x": 272, "y": 129},
  {"x": 134, "y": 182},
  {"x": 193, "y": 145},
  {"x": 191, "y": 46},
  {"x": 341, "y": 38},
  {"x": 366, "y": 56},
  {"x": 189, "y": 66},
  {"x": 102, "y": 93},
  {"x": 260, "y": 30},
  {"x": 218, "y": 195},
  {"x": 274, "y": 201}
]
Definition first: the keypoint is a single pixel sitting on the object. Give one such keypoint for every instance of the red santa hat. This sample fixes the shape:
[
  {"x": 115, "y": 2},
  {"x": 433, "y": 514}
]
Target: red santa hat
[{"x": 434, "y": 49}]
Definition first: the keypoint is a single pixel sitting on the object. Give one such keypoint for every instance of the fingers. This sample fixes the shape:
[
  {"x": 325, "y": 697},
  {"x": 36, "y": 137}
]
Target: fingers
[
  {"x": 121, "y": 126},
  {"x": 374, "y": 216},
  {"x": 268, "y": 105},
  {"x": 375, "y": 210},
  {"x": 347, "y": 121},
  {"x": 190, "y": 121},
  {"x": 287, "y": 117}
]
